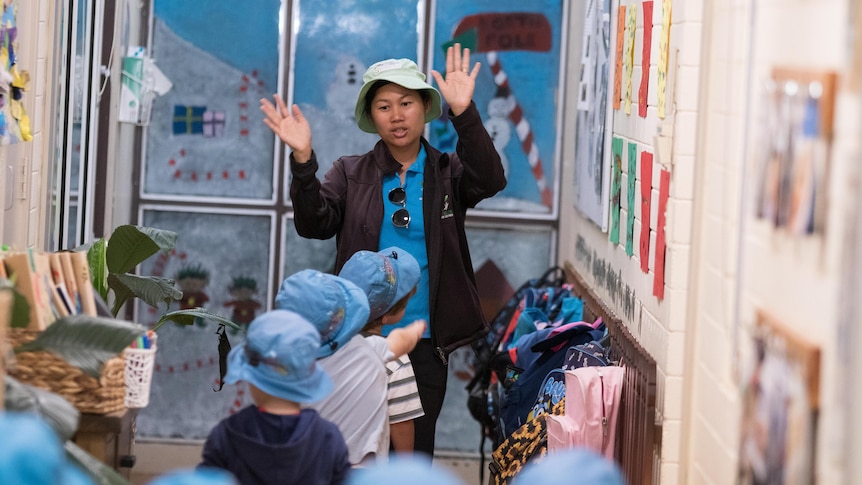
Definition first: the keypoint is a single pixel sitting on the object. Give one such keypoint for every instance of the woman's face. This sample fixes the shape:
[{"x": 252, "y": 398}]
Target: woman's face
[{"x": 398, "y": 114}]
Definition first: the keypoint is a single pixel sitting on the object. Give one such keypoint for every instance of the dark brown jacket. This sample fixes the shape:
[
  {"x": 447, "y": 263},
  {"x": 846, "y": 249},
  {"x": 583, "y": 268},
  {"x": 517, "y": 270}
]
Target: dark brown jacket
[{"x": 349, "y": 205}]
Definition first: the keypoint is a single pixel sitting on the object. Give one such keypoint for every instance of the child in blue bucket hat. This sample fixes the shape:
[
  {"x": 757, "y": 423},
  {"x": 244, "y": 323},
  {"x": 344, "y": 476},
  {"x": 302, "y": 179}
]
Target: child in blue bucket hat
[
  {"x": 274, "y": 440},
  {"x": 389, "y": 278},
  {"x": 401, "y": 469},
  {"x": 339, "y": 309}
]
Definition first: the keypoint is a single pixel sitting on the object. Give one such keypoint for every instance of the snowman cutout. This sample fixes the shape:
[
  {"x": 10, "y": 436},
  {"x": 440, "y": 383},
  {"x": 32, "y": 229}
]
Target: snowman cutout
[{"x": 497, "y": 125}]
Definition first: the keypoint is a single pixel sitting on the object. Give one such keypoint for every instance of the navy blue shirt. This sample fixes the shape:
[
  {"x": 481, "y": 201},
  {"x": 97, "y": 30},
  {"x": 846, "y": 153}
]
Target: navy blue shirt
[{"x": 263, "y": 448}]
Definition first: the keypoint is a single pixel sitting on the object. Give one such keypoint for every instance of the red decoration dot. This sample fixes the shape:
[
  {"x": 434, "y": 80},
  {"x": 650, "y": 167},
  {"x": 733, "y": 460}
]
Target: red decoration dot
[
  {"x": 172, "y": 162},
  {"x": 177, "y": 174},
  {"x": 242, "y": 174},
  {"x": 182, "y": 152}
]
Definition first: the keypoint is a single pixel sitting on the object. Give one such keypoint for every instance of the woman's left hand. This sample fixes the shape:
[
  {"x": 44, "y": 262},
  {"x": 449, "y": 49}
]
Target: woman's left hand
[{"x": 457, "y": 87}]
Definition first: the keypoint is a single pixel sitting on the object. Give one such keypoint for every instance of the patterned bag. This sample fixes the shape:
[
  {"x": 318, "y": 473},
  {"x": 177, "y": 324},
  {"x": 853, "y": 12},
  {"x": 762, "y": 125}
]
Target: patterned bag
[{"x": 527, "y": 443}]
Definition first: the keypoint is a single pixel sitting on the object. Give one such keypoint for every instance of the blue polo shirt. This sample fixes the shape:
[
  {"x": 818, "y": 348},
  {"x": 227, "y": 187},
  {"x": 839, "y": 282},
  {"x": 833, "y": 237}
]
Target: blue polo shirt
[{"x": 410, "y": 238}]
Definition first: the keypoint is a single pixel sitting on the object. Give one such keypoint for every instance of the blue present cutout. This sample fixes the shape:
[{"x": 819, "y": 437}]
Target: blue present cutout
[{"x": 188, "y": 120}]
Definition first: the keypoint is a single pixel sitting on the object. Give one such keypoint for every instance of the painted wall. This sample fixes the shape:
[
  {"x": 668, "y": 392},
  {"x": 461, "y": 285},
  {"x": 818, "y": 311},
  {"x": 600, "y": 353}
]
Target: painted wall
[{"x": 746, "y": 263}]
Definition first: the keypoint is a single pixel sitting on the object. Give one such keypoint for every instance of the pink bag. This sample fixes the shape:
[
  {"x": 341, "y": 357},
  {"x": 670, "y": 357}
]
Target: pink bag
[{"x": 592, "y": 408}]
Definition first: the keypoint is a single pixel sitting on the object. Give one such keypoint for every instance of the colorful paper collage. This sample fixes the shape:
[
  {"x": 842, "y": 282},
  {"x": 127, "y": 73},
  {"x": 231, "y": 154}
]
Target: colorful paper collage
[
  {"x": 661, "y": 235},
  {"x": 630, "y": 193},
  {"x": 645, "y": 60},
  {"x": 663, "y": 47},
  {"x": 629, "y": 56},
  {"x": 646, "y": 195},
  {"x": 14, "y": 122},
  {"x": 616, "y": 188},
  {"x": 618, "y": 69}
]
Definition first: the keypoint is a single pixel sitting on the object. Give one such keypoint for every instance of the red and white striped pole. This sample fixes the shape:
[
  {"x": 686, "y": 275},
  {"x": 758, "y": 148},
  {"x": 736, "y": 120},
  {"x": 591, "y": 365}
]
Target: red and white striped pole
[{"x": 522, "y": 127}]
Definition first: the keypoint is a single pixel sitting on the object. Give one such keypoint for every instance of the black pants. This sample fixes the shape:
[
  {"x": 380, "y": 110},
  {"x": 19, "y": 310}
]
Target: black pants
[{"x": 431, "y": 377}]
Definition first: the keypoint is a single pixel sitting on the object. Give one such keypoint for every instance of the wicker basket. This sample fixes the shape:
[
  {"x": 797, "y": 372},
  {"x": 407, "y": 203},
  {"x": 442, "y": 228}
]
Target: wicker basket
[{"x": 50, "y": 372}]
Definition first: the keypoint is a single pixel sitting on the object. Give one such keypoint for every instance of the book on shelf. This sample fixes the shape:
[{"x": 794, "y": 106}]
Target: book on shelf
[
  {"x": 29, "y": 271},
  {"x": 86, "y": 292}
]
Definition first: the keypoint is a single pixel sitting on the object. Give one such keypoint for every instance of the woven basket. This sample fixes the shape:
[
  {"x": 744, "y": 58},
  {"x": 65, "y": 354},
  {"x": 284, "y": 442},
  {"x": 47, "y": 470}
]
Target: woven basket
[{"x": 50, "y": 372}]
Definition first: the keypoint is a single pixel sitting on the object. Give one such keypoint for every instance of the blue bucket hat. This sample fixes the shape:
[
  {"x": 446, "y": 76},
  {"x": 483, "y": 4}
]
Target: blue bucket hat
[
  {"x": 32, "y": 453},
  {"x": 385, "y": 276},
  {"x": 279, "y": 356},
  {"x": 335, "y": 306},
  {"x": 573, "y": 466},
  {"x": 399, "y": 469},
  {"x": 402, "y": 72}
]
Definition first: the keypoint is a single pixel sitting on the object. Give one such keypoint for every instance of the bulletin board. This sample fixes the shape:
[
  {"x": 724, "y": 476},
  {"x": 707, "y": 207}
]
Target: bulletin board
[{"x": 780, "y": 400}]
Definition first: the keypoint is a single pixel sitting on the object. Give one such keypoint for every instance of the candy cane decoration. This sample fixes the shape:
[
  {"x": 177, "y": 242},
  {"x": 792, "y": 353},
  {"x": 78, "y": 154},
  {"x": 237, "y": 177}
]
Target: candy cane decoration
[{"x": 522, "y": 127}]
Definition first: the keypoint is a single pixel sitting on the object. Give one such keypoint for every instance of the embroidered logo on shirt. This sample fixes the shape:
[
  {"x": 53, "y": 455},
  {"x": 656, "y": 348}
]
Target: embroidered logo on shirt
[{"x": 447, "y": 209}]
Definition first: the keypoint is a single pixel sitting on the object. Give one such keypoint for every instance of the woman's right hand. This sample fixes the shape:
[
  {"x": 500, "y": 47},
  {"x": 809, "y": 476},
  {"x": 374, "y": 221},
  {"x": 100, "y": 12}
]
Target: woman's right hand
[{"x": 290, "y": 126}]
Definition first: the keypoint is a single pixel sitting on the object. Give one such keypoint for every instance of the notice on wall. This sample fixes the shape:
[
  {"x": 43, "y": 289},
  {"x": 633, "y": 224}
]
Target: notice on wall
[
  {"x": 618, "y": 71},
  {"x": 616, "y": 189},
  {"x": 646, "y": 195},
  {"x": 663, "y": 48},
  {"x": 661, "y": 235},
  {"x": 643, "y": 91},
  {"x": 630, "y": 193},
  {"x": 629, "y": 56}
]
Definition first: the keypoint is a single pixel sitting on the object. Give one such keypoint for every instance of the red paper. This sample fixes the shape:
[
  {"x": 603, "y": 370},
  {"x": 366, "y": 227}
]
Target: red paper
[
  {"x": 647, "y": 47},
  {"x": 646, "y": 194},
  {"x": 618, "y": 69},
  {"x": 660, "y": 237}
]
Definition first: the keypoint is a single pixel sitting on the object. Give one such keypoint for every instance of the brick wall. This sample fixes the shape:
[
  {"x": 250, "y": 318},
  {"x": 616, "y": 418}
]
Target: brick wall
[{"x": 659, "y": 325}]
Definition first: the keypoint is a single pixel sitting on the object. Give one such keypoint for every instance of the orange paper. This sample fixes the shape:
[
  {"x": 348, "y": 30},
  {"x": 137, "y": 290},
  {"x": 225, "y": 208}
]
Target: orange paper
[{"x": 618, "y": 70}]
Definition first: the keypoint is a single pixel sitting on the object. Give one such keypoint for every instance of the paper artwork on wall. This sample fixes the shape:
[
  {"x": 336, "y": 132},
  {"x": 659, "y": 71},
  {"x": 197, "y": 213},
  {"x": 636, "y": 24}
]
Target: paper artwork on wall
[
  {"x": 616, "y": 188},
  {"x": 14, "y": 122},
  {"x": 661, "y": 235},
  {"x": 629, "y": 56},
  {"x": 630, "y": 193},
  {"x": 794, "y": 146},
  {"x": 593, "y": 179},
  {"x": 663, "y": 48},
  {"x": 643, "y": 91},
  {"x": 646, "y": 197},
  {"x": 618, "y": 71}
]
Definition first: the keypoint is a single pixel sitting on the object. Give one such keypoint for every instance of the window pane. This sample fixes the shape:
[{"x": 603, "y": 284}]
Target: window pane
[{"x": 206, "y": 137}]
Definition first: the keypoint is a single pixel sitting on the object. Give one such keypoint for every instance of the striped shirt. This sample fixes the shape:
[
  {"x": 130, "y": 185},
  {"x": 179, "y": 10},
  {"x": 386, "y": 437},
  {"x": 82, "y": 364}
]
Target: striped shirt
[{"x": 404, "y": 403}]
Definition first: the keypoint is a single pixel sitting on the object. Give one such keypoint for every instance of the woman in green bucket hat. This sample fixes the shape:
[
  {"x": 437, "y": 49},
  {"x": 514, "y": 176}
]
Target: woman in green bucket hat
[{"x": 405, "y": 193}]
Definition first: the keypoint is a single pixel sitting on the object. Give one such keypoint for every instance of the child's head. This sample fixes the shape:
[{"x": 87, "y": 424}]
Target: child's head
[
  {"x": 35, "y": 454},
  {"x": 401, "y": 468},
  {"x": 279, "y": 357},
  {"x": 387, "y": 277},
  {"x": 572, "y": 466},
  {"x": 335, "y": 306}
]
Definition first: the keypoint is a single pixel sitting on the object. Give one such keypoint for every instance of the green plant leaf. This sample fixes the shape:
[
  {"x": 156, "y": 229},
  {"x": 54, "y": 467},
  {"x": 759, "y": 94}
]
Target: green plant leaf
[
  {"x": 85, "y": 341},
  {"x": 131, "y": 245},
  {"x": 59, "y": 413},
  {"x": 98, "y": 270},
  {"x": 152, "y": 289},
  {"x": 188, "y": 317},
  {"x": 100, "y": 473},
  {"x": 122, "y": 293}
]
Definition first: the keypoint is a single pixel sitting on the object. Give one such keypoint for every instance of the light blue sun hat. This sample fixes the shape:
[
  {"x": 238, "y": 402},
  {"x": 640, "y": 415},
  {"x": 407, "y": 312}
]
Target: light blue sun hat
[
  {"x": 336, "y": 307},
  {"x": 386, "y": 277},
  {"x": 279, "y": 356}
]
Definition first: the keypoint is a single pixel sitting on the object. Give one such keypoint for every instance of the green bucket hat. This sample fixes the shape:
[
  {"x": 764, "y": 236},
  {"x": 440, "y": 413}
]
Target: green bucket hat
[{"x": 402, "y": 72}]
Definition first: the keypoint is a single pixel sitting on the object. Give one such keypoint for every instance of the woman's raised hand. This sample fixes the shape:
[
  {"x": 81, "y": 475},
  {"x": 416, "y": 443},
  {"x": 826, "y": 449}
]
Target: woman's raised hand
[
  {"x": 290, "y": 126},
  {"x": 457, "y": 87}
]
